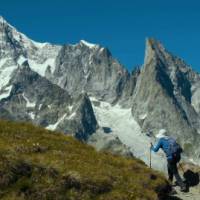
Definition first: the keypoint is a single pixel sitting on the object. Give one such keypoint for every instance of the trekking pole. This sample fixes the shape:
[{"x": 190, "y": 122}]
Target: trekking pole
[{"x": 150, "y": 157}]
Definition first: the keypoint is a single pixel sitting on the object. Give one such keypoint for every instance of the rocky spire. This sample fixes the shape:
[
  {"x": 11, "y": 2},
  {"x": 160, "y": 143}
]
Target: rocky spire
[
  {"x": 154, "y": 50},
  {"x": 163, "y": 95}
]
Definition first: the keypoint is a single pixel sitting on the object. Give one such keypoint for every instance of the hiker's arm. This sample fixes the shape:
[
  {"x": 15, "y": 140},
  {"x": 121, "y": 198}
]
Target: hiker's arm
[{"x": 157, "y": 147}]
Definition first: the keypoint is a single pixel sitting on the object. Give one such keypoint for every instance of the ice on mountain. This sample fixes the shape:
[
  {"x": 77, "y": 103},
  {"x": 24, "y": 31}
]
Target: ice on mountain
[
  {"x": 92, "y": 98},
  {"x": 40, "y": 45},
  {"x": 40, "y": 106},
  {"x": 6, "y": 92},
  {"x": 143, "y": 116},
  {"x": 101, "y": 49},
  {"x": 2, "y": 62},
  {"x": 195, "y": 98},
  {"x": 40, "y": 68},
  {"x": 54, "y": 126},
  {"x": 90, "y": 45},
  {"x": 70, "y": 108},
  {"x": 21, "y": 60},
  {"x": 71, "y": 116},
  {"x": 123, "y": 125},
  {"x": 5, "y": 75},
  {"x": 32, "y": 115},
  {"x": 28, "y": 103},
  {"x": 90, "y": 59}
]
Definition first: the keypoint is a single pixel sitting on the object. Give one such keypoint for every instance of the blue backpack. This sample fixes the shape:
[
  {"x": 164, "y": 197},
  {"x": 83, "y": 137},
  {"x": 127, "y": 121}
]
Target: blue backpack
[{"x": 174, "y": 148}]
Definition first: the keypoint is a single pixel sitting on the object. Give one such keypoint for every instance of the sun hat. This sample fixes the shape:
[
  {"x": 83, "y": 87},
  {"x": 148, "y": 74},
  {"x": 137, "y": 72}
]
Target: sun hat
[{"x": 161, "y": 133}]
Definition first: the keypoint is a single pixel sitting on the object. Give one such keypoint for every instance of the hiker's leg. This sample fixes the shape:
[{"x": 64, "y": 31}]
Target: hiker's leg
[
  {"x": 177, "y": 176},
  {"x": 170, "y": 171}
]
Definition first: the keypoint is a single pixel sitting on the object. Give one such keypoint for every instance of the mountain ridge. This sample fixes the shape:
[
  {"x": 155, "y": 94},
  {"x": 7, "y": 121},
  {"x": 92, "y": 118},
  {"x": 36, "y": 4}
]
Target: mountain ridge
[{"x": 163, "y": 93}]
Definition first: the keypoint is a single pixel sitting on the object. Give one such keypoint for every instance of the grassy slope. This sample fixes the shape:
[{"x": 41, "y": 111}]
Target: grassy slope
[{"x": 39, "y": 164}]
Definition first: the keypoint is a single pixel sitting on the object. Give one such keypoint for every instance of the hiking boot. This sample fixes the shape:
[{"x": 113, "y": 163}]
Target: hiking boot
[
  {"x": 173, "y": 191},
  {"x": 170, "y": 181},
  {"x": 176, "y": 183},
  {"x": 183, "y": 188},
  {"x": 173, "y": 184}
]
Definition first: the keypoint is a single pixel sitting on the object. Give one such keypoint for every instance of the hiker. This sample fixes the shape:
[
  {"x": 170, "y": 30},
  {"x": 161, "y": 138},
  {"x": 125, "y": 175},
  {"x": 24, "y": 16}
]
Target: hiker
[{"x": 173, "y": 154}]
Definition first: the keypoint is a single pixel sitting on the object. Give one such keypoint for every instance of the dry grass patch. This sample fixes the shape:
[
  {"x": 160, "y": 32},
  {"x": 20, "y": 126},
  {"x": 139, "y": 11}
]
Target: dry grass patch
[{"x": 39, "y": 164}]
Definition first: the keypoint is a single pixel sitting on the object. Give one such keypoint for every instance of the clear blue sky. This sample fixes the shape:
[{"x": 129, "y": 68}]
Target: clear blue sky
[{"x": 120, "y": 25}]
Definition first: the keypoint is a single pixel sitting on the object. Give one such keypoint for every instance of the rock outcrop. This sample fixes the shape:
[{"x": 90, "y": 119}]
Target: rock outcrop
[{"x": 33, "y": 98}]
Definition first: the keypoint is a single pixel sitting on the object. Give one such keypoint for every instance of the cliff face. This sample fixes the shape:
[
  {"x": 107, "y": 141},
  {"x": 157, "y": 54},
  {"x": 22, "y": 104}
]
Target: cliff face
[
  {"x": 89, "y": 68},
  {"x": 33, "y": 98}
]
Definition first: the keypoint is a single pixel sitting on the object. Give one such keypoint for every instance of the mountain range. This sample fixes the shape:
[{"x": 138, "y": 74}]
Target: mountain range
[{"x": 84, "y": 91}]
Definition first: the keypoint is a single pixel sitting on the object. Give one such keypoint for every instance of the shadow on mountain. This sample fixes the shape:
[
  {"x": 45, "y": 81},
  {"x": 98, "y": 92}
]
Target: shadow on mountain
[
  {"x": 107, "y": 129},
  {"x": 191, "y": 178}
]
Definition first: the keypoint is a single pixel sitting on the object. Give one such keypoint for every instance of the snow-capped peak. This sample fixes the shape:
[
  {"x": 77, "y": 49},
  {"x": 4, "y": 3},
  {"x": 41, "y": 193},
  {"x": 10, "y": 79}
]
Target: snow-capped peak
[
  {"x": 14, "y": 44},
  {"x": 90, "y": 45},
  {"x": 2, "y": 20},
  {"x": 20, "y": 37}
]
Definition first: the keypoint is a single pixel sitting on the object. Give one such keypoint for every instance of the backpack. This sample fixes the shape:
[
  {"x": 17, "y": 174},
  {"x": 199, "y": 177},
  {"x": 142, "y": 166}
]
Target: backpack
[{"x": 174, "y": 149}]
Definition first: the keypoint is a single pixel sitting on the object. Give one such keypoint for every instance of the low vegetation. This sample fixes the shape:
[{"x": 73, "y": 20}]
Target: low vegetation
[{"x": 40, "y": 164}]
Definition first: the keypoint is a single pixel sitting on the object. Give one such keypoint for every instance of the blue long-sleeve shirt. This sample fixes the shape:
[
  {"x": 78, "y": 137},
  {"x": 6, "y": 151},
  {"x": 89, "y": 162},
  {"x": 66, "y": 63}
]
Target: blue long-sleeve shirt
[{"x": 164, "y": 145}]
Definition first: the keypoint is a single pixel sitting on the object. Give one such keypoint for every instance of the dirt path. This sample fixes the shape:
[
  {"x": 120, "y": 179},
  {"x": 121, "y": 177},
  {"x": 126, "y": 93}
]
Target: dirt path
[{"x": 193, "y": 194}]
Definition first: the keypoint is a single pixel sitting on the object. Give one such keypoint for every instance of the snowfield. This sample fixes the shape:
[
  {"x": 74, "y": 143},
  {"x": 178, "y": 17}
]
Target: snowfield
[
  {"x": 121, "y": 123},
  {"x": 5, "y": 75},
  {"x": 40, "y": 68},
  {"x": 54, "y": 126},
  {"x": 6, "y": 93}
]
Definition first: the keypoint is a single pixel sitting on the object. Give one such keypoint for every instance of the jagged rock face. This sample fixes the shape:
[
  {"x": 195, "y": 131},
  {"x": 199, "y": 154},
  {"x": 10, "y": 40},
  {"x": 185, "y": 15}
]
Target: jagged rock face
[
  {"x": 35, "y": 99},
  {"x": 105, "y": 142},
  {"x": 75, "y": 68},
  {"x": 14, "y": 43},
  {"x": 90, "y": 68},
  {"x": 126, "y": 95},
  {"x": 25, "y": 93},
  {"x": 163, "y": 94},
  {"x": 84, "y": 120},
  {"x": 28, "y": 70},
  {"x": 11, "y": 43}
]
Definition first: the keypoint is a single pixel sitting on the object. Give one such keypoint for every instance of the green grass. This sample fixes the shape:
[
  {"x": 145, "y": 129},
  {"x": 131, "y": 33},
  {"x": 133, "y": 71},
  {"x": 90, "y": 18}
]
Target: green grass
[{"x": 39, "y": 164}]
